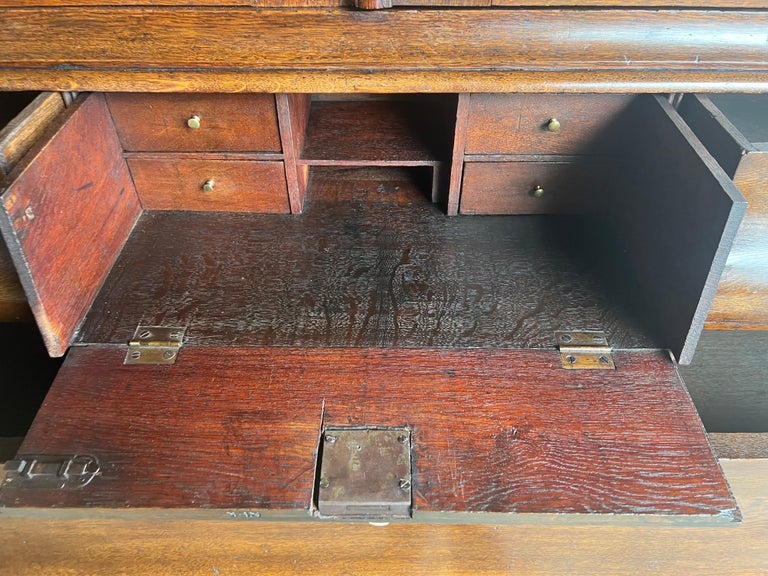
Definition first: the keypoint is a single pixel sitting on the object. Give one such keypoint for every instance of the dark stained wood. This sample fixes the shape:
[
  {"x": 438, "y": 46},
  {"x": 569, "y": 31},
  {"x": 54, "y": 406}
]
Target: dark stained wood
[
  {"x": 740, "y": 445},
  {"x": 66, "y": 215},
  {"x": 517, "y": 123},
  {"x": 293, "y": 114},
  {"x": 13, "y": 302},
  {"x": 728, "y": 380},
  {"x": 238, "y": 427},
  {"x": 457, "y": 159},
  {"x": 741, "y": 301},
  {"x": 747, "y": 114},
  {"x": 18, "y": 136},
  {"x": 378, "y": 131},
  {"x": 569, "y": 187},
  {"x": 228, "y": 122},
  {"x": 239, "y": 186},
  {"x": 371, "y": 262},
  {"x": 339, "y": 50},
  {"x": 676, "y": 213}
]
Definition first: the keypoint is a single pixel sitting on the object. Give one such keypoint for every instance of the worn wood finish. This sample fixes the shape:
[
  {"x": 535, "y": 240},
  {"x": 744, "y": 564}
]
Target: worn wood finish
[
  {"x": 338, "y": 50},
  {"x": 740, "y": 445},
  {"x": 18, "y": 136},
  {"x": 371, "y": 262},
  {"x": 676, "y": 226},
  {"x": 568, "y": 187},
  {"x": 712, "y": 4},
  {"x": 517, "y": 123},
  {"x": 228, "y": 122},
  {"x": 546, "y": 439},
  {"x": 381, "y": 131},
  {"x": 66, "y": 215},
  {"x": 293, "y": 114},
  {"x": 144, "y": 543},
  {"x": 728, "y": 380},
  {"x": 741, "y": 301},
  {"x": 13, "y": 302},
  {"x": 457, "y": 159},
  {"x": 238, "y": 186}
]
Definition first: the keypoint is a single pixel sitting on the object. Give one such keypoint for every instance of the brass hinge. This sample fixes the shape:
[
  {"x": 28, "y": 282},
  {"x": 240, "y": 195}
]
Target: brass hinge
[
  {"x": 51, "y": 472},
  {"x": 584, "y": 350},
  {"x": 154, "y": 345}
]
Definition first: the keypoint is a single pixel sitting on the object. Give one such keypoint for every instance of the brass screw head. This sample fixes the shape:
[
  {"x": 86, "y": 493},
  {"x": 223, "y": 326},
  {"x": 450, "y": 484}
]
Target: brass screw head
[
  {"x": 553, "y": 125},
  {"x": 194, "y": 122}
]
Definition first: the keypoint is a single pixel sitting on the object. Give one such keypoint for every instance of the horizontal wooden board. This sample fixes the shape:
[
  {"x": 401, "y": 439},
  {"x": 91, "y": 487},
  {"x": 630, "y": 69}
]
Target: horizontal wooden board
[
  {"x": 337, "y": 50},
  {"x": 371, "y": 262},
  {"x": 517, "y": 123},
  {"x": 227, "y": 122},
  {"x": 238, "y": 185},
  {"x": 66, "y": 214},
  {"x": 493, "y": 431}
]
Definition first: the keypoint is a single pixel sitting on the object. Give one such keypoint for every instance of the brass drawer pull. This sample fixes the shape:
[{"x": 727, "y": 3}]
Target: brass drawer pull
[
  {"x": 208, "y": 186},
  {"x": 553, "y": 125},
  {"x": 537, "y": 191},
  {"x": 194, "y": 122}
]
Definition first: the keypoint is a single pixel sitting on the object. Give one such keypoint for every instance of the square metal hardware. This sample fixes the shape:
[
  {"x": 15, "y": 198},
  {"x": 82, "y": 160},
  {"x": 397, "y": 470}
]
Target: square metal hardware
[
  {"x": 584, "y": 350},
  {"x": 154, "y": 345}
]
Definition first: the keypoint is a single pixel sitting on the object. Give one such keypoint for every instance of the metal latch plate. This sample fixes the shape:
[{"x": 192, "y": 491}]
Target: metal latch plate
[
  {"x": 51, "y": 472},
  {"x": 365, "y": 473},
  {"x": 584, "y": 350},
  {"x": 154, "y": 345}
]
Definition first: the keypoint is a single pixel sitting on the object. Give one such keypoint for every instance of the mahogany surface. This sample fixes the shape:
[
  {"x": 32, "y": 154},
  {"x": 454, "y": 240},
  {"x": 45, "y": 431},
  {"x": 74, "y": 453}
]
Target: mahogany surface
[
  {"x": 66, "y": 214},
  {"x": 228, "y": 122},
  {"x": 371, "y": 262},
  {"x": 494, "y": 430}
]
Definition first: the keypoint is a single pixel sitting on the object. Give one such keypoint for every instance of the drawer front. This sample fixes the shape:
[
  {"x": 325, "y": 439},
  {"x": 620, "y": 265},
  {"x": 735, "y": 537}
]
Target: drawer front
[
  {"x": 210, "y": 185},
  {"x": 196, "y": 122},
  {"x": 523, "y": 123},
  {"x": 530, "y": 187}
]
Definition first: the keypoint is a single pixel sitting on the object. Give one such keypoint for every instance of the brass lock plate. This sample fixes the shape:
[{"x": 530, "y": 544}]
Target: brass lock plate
[{"x": 364, "y": 473}]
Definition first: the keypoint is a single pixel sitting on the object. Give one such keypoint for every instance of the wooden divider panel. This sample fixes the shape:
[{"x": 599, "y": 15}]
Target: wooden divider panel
[{"x": 66, "y": 214}]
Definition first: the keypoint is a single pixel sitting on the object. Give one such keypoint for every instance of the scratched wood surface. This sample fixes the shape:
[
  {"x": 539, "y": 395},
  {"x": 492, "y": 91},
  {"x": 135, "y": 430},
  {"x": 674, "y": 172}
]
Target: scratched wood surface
[
  {"x": 66, "y": 214},
  {"x": 337, "y": 50},
  {"x": 293, "y": 114},
  {"x": 494, "y": 430},
  {"x": 371, "y": 262}
]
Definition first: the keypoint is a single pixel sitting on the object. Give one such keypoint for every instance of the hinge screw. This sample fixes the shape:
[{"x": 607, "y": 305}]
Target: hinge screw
[
  {"x": 566, "y": 338},
  {"x": 402, "y": 439},
  {"x": 571, "y": 359},
  {"x": 136, "y": 355},
  {"x": 331, "y": 439},
  {"x": 604, "y": 360},
  {"x": 404, "y": 484},
  {"x": 324, "y": 483},
  {"x": 169, "y": 355}
]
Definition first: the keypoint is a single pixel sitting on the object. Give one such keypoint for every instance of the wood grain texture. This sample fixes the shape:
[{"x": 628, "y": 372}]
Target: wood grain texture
[
  {"x": 13, "y": 302},
  {"x": 228, "y": 122},
  {"x": 739, "y": 445},
  {"x": 263, "y": 50},
  {"x": 18, "y": 136},
  {"x": 741, "y": 301},
  {"x": 569, "y": 187},
  {"x": 517, "y": 123},
  {"x": 239, "y": 185},
  {"x": 546, "y": 440},
  {"x": 66, "y": 215},
  {"x": 98, "y": 546},
  {"x": 713, "y": 4},
  {"x": 371, "y": 262},
  {"x": 457, "y": 159},
  {"x": 676, "y": 225},
  {"x": 293, "y": 114}
]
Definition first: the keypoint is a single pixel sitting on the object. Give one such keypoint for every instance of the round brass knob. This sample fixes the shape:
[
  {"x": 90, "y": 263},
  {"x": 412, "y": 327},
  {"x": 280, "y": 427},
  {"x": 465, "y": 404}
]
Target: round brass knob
[
  {"x": 537, "y": 192},
  {"x": 208, "y": 186},
  {"x": 194, "y": 122},
  {"x": 553, "y": 125}
]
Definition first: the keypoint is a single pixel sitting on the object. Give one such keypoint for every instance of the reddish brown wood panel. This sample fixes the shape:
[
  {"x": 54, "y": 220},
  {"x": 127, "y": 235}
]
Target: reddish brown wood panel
[
  {"x": 493, "y": 431},
  {"x": 66, "y": 215},
  {"x": 518, "y": 123},
  {"x": 547, "y": 187},
  {"x": 227, "y": 122},
  {"x": 237, "y": 186},
  {"x": 371, "y": 262},
  {"x": 741, "y": 300},
  {"x": 397, "y": 131},
  {"x": 439, "y": 3},
  {"x": 457, "y": 160},
  {"x": 293, "y": 114}
]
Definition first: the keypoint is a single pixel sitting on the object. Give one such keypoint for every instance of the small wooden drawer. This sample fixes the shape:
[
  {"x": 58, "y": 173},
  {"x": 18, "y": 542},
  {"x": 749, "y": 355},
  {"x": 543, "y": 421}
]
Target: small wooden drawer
[
  {"x": 734, "y": 128},
  {"x": 542, "y": 124},
  {"x": 196, "y": 122},
  {"x": 210, "y": 185},
  {"x": 530, "y": 187}
]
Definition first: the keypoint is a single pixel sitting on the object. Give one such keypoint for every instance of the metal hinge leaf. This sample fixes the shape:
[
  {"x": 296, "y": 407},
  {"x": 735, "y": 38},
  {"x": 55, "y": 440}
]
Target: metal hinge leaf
[
  {"x": 584, "y": 350},
  {"x": 155, "y": 345}
]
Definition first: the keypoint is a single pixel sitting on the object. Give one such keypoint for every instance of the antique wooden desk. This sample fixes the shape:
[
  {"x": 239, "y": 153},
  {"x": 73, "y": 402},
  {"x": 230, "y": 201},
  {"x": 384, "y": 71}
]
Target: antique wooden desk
[{"x": 395, "y": 232}]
